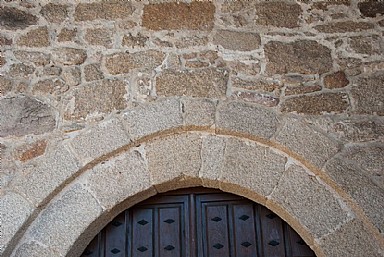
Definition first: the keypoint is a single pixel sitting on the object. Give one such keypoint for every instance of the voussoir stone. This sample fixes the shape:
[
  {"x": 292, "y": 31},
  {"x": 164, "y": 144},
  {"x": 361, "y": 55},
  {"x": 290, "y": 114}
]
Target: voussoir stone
[
  {"x": 65, "y": 218},
  {"x": 209, "y": 82},
  {"x": 310, "y": 201},
  {"x": 160, "y": 115},
  {"x": 103, "y": 96},
  {"x": 251, "y": 166},
  {"x": 172, "y": 16},
  {"x": 212, "y": 158},
  {"x": 235, "y": 40},
  {"x": 28, "y": 116},
  {"x": 120, "y": 63},
  {"x": 13, "y": 18},
  {"x": 35, "y": 38},
  {"x": 14, "y": 212},
  {"x": 246, "y": 118},
  {"x": 307, "y": 142},
  {"x": 69, "y": 56},
  {"x": 110, "y": 10},
  {"x": 99, "y": 140},
  {"x": 301, "y": 56},
  {"x": 114, "y": 180},
  {"x": 174, "y": 158},
  {"x": 34, "y": 249},
  {"x": 199, "y": 111},
  {"x": 317, "y": 104}
]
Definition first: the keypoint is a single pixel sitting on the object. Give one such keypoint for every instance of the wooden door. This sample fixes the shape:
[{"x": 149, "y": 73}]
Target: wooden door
[{"x": 197, "y": 223}]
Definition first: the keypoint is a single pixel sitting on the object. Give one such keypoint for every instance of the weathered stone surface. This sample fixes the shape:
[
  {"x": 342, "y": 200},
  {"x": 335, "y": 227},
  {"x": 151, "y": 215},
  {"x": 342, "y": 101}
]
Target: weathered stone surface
[
  {"x": 317, "y": 104},
  {"x": 365, "y": 188},
  {"x": 99, "y": 36},
  {"x": 173, "y": 16},
  {"x": 33, "y": 249},
  {"x": 279, "y": 14},
  {"x": 200, "y": 83},
  {"x": 105, "y": 10},
  {"x": 71, "y": 76},
  {"x": 21, "y": 70},
  {"x": 235, "y": 40},
  {"x": 69, "y": 56},
  {"x": 35, "y": 38},
  {"x": 324, "y": 5},
  {"x": 159, "y": 116},
  {"x": 191, "y": 41},
  {"x": 53, "y": 168},
  {"x": 370, "y": 45},
  {"x": 38, "y": 58},
  {"x": 99, "y": 140},
  {"x": 61, "y": 222},
  {"x": 117, "y": 179},
  {"x": 312, "y": 145},
  {"x": 212, "y": 158},
  {"x": 371, "y": 8},
  {"x": 51, "y": 71},
  {"x": 5, "y": 41},
  {"x": 54, "y": 13},
  {"x": 368, "y": 94},
  {"x": 301, "y": 56},
  {"x": 199, "y": 112},
  {"x": 5, "y": 86},
  {"x": 302, "y": 195},
  {"x": 14, "y": 212},
  {"x": 254, "y": 97},
  {"x": 174, "y": 158},
  {"x": 246, "y": 118},
  {"x": 2, "y": 61},
  {"x": 352, "y": 239},
  {"x": 133, "y": 41},
  {"x": 336, "y": 80},
  {"x": 28, "y": 116},
  {"x": 358, "y": 130},
  {"x": 54, "y": 87},
  {"x": 32, "y": 151},
  {"x": 102, "y": 96},
  {"x": 13, "y": 19},
  {"x": 92, "y": 72},
  {"x": 298, "y": 90},
  {"x": 125, "y": 62},
  {"x": 67, "y": 34},
  {"x": 269, "y": 87},
  {"x": 251, "y": 166},
  {"x": 343, "y": 27},
  {"x": 237, "y": 67}
]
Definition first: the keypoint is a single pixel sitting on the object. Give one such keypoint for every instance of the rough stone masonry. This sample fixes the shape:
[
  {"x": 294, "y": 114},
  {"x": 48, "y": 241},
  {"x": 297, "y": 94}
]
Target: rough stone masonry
[{"x": 305, "y": 75}]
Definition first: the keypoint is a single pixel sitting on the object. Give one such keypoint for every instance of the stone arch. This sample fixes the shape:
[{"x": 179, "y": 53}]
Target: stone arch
[{"x": 271, "y": 169}]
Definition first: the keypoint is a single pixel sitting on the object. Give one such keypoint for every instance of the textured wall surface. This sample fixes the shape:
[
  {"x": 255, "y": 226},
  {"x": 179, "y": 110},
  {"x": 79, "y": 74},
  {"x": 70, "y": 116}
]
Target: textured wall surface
[{"x": 105, "y": 103}]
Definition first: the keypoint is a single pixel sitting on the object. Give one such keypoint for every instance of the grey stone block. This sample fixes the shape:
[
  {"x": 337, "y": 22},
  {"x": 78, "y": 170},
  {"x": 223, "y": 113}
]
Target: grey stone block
[
  {"x": 160, "y": 115},
  {"x": 60, "y": 224},
  {"x": 310, "y": 202},
  {"x": 99, "y": 140},
  {"x": 33, "y": 249},
  {"x": 251, "y": 166},
  {"x": 246, "y": 118},
  {"x": 352, "y": 240},
  {"x": 212, "y": 157},
  {"x": 119, "y": 178},
  {"x": 174, "y": 158},
  {"x": 199, "y": 112},
  {"x": 40, "y": 178},
  {"x": 314, "y": 146},
  {"x": 14, "y": 211}
]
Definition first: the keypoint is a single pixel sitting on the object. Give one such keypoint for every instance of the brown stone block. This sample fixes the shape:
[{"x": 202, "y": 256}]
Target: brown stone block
[
  {"x": 13, "y": 19},
  {"x": 263, "y": 99},
  {"x": 259, "y": 85},
  {"x": 5, "y": 41},
  {"x": 32, "y": 151},
  {"x": 69, "y": 56},
  {"x": 371, "y": 8},
  {"x": 38, "y": 58},
  {"x": 35, "y": 38},
  {"x": 120, "y": 63},
  {"x": 54, "y": 13},
  {"x": 93, "y": 72},
  {"x": 99, "y": 36},
  {"x": 21, "y": 70},
  {"x": 54, "y": 87},
  {"x": 298, "y": 90},
  {"x": 172, "y": 16},
  {"x": 135, "y": 41},
  {"x": 67, "y": 34},
  {"x": 343, "y": 27},
  {"x": 199, "y": 83},
  {"x": 110, "y": 10},
  {"x": 279, "y": 14},
  {"x": 302, "y": 56},
  {"x": 369, "y": 45},
  {"x": 5, "y": 85},
  {"x": 336, "y": 80},
  {"x": 235, "y": 40},
  {"x": 2, "y": 61}
]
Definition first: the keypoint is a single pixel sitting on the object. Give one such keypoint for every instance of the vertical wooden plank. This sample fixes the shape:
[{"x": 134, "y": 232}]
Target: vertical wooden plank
[
  {"x": 244, "y": 230},
  {"x": 142, "y": 232},
  {"x": 272, "y": 234},
  {"x": 297, "y": 245},
  {"x": 170, "y": 237},
  {"x": 115, "y": 237}
]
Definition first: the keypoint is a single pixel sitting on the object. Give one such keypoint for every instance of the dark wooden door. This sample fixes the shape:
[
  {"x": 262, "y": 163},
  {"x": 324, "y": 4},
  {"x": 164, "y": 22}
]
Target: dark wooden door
[{"x": 197, "y": 223}]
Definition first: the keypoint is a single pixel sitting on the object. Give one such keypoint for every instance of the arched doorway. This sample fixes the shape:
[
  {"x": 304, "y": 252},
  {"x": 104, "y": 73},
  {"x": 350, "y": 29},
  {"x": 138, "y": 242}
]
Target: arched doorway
[{"x": 197, "y": 222}]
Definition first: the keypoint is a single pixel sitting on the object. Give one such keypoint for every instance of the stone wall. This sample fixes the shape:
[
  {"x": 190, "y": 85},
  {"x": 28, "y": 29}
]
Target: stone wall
[{"x": 279, "y": 101}]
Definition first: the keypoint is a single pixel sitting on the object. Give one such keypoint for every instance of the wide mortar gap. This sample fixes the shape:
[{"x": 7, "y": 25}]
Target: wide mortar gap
[{"x": 183, "y": 129}]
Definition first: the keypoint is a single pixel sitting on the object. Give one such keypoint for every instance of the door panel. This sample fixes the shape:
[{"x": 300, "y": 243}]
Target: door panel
[{"x": 197, "y": 224}]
